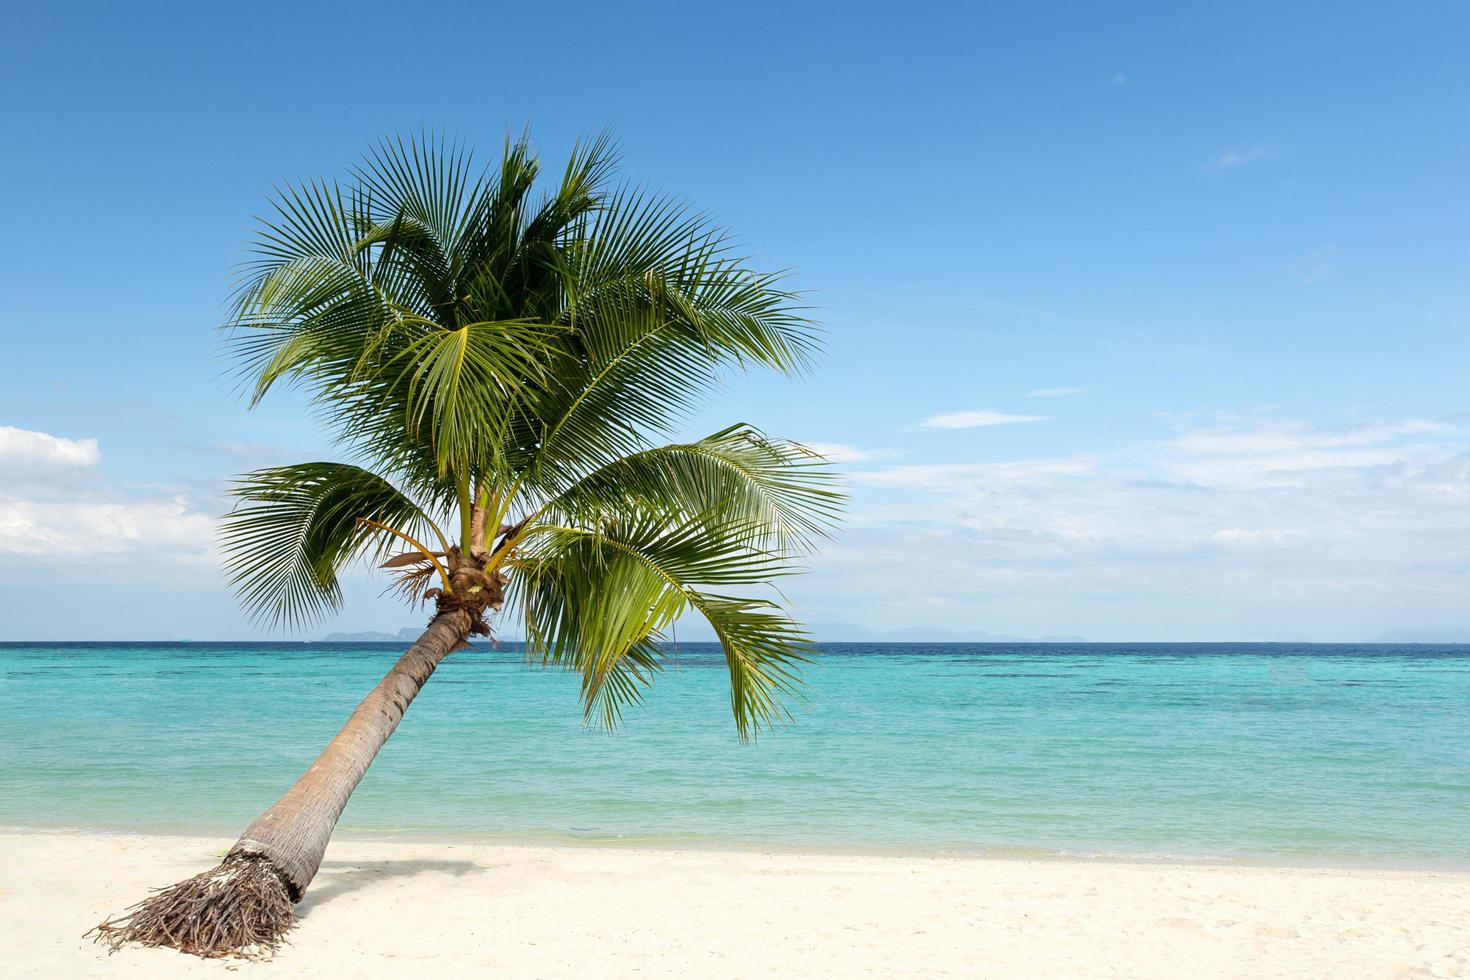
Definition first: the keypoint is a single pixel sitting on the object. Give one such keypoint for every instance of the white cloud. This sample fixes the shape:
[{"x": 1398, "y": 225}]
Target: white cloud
[
  {"x": 88, "y": 527},
  {"x": 56, "y": 504},
  {"x": 1298, "y": 436},
  {"x": 243, "y": 450},
  {"x": 841, "y": 452},
  {"x": 1246, "y": 529},
  {"x": 1286, "y": 453},
  {"x": 25, "y": 449},
  {"x": 1053, "y": 392},
  {"x": 1264, "y": 535},
  {"x": 1235, "y": 158},
  {"x": 1118, "y": 78},
  {"x": 958, "y": 475},
  {"x": 1277, "y": 469},
  {"x": 976, "y": 419}
]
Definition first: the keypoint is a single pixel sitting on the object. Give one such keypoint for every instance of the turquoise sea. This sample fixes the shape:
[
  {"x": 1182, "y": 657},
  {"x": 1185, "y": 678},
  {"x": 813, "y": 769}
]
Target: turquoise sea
[{"x": 1295, "y": 753}]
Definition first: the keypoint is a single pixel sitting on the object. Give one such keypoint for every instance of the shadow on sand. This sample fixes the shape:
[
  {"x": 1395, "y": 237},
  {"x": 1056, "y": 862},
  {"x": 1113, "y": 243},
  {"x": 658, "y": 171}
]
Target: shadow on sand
[{"x": 340, "y": 877}]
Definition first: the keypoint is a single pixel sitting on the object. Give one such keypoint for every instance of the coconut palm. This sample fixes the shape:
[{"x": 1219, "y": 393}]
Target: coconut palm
[{"x": 499, "y": 372}]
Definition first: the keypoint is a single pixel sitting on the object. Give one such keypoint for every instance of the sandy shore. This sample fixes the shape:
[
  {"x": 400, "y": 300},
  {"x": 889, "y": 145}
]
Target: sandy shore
[{"x": 447, "y": 910}]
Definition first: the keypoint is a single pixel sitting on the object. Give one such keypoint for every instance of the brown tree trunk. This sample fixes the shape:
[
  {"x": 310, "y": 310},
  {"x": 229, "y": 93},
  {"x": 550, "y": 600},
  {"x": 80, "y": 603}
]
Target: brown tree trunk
[
  {"x": 293, "y": 833},
  {"x": 245, "y": 904}
]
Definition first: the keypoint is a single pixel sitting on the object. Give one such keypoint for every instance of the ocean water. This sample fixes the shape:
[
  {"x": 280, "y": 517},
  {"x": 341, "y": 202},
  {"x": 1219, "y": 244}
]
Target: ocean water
[{"x": 1330, "y": 754}]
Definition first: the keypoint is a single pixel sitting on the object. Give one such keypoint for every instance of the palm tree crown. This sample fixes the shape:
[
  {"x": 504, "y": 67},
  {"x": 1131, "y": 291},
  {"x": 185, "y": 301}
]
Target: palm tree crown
[{"x": 502, "y": 370}]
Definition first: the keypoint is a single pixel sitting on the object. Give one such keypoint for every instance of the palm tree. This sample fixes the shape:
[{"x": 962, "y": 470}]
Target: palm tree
[{"x": 498, "y": 373}]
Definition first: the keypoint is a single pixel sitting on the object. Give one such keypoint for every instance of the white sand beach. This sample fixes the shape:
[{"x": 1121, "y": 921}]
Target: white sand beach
[{"x": 447, "y": 910}]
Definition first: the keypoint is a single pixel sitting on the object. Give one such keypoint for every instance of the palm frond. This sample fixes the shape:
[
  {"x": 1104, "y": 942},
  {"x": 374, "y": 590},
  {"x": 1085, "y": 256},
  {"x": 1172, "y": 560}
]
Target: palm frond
[
  {"x": 599, "y": 600},
  {"x": 461, "y": 389},
  {"x": 738, "y": 475},
  {"x": 680, "y": 260},
  {"x": 599, "y": 408},
  {"x": 295, "y": 527}
]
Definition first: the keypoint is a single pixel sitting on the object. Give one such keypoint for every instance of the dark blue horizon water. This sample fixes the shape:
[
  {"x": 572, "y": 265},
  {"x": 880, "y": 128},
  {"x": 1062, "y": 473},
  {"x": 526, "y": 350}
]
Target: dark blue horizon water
[{"x": 1296, "y": 752}]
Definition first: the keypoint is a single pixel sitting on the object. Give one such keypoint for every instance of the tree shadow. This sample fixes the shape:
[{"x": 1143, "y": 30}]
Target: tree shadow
[{"x": 342, "y": 877}]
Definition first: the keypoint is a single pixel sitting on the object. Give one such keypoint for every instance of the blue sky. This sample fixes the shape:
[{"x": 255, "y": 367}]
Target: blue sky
[{"x": 1144, "y": 322}]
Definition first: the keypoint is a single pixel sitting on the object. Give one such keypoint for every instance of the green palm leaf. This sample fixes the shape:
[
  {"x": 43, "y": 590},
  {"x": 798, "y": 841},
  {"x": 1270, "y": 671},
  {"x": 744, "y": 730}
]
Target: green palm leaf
[
  {"x": 599, "y": 600},
  {"x": 295, "y": 527},
  {"x": 783, "y": 490},
  {"x": 465, "y": 387}
]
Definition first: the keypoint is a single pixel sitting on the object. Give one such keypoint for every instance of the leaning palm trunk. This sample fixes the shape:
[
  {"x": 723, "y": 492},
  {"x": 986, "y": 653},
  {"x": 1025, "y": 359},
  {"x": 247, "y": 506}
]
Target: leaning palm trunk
[
  {"x": 292, "y": 835},
  {"x": 245, "y": 904}
]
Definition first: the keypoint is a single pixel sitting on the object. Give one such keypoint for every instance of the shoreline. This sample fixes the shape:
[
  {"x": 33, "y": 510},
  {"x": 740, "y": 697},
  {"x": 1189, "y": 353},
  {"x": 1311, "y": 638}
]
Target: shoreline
[
  {"x": 569, "y": 910},
  {"x": 716, "y": 847}
]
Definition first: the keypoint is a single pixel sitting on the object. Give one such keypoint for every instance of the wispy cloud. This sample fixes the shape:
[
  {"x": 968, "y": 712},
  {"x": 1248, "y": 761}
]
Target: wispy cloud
[
  {"x": 1236, "y": 158},
  {"x": 1292, "y": 454},
  {"x": 841, "y": 452},
  {"x": 939, "y": 476},
  {"x": 1053, "y": 392},
  {"x": 1242, "y": 527},
  {"x": 242, "y": 450},
  {"x": 977, "y": 419},
  {"x": 1258, "y": 536},
  {"x": 1118, "y": 78},
  {"x": 1296, "y": 436}
]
